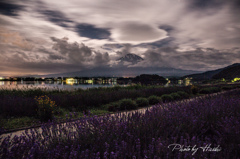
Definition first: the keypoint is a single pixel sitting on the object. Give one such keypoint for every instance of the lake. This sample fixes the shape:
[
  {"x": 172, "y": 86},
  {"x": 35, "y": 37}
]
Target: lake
[{"x": 49, "y": 85}]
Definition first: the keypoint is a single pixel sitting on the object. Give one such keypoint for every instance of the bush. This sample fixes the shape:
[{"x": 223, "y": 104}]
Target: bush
[
  {"x": 209, "y": 90},
  {"x": 183, "y": 95},
  {"x": 17, "y": 106},
  {"x": 112, "y": 107},
  {"x": 227, "y": 88},
  {"x": 215, "y": 89},
  {"x": 154, "y": 100},
  {"x": 205, "y": 91},
  {"x": 142, "y": 102},
  {"x": 46, "y": 108},
  {"x": 59, "y": 111},
  {"x": 175, "y": 96},
  {"x": 127, "y": 104},
  {"x": 167, "y": 98},
  {"x": 194, "y": 89}
]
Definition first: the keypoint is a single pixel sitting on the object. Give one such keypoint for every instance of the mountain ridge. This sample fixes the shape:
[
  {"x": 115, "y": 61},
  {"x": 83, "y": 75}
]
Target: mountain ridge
[
  {"x": 132, "y": 58},
  {"x": 229, "y": 73},
  {"x": 209, "y": 74},
  {"x": 122, "y": 72}
]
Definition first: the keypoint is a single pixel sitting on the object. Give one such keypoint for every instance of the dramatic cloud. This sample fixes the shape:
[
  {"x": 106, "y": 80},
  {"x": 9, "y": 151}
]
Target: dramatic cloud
[
  {"x": 201, "y": 59},
  {"x": 187, "y": 34},
  {"x": 136, "y": 33},
  {"x": 14, "y": 39},
  {"x": 9, "y": 9},
  {"x": 90, "y": 31},
  {"x": 56, "y": 17}
]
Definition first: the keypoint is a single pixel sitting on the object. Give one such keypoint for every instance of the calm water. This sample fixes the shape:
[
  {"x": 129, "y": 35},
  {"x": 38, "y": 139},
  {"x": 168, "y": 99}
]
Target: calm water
[{"x": 48, "y": 85}]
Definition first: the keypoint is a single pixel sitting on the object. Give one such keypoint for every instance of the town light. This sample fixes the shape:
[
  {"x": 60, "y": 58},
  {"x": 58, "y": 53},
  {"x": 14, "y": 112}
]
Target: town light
[{"x": 71, "y": 81}]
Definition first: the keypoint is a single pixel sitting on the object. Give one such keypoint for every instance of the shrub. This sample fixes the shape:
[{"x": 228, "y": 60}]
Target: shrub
[
  {"x": 215, "y": 89},
  {"x": 127, "y": 104},
  {"x": 205, "y": 91},
  {"x": 17, "y": 106},
  {"x": 183, "y": 95},
  {"x": 46, "y": 108},
  {"x": 175, "y": 96},
  {"x": 209, "y": 90},
  {"x": 112, "y": 107},
  {"x": 194, "y": 89},
  {"x": 59, "y": 111},
  {"x": 167, "y": 98},
  {"x": 154, "y": 100},
  {"x": 142, "y": 102},
  {"x": 227, "y": 87}
]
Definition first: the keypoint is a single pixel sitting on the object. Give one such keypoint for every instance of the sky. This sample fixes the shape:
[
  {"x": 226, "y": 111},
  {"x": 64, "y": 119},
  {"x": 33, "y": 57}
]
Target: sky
[{"x": 52, "y": 36}]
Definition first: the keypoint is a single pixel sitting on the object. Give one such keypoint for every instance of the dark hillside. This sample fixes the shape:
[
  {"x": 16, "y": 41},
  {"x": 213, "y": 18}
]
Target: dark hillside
[
  {"x": 231, "y": 71},
  {"x": 228, "y": 73}
]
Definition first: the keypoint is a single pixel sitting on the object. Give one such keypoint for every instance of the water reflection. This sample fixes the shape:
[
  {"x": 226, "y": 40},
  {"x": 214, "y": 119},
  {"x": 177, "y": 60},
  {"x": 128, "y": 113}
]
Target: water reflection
[
  {"x": 1, "y": 83},
  {"x": 70, "y": 84}
]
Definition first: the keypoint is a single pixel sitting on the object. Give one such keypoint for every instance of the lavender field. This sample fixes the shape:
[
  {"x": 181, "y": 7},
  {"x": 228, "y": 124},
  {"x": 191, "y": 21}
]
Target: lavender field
[{"x": 202, "y": 128}]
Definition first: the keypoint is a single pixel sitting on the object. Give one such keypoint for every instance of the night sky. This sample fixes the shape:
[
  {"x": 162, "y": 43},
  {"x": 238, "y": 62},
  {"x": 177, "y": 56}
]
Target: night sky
[{"x": 55, "y": 36}]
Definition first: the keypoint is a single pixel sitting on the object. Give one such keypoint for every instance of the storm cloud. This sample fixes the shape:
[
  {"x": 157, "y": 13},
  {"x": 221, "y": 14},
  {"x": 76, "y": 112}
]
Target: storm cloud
[
  {"x": 75, "y": 35},
  {"x": 92, "y": 32},
  {"x": 201, "y": 59}
]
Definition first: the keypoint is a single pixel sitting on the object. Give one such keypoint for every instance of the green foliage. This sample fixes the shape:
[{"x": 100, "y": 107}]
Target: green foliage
[
  {"x": 127, "y": 104},
  {"x": 116, "y": 88},
  {"x": 227, "y": 88},
  {"x": 59, "y": 111},
  {"x": 154, "y": 100},
  {"x": 46, "y": 108},
  {"x": 209, "y": 90},
  {"x": 167, "y": 98},
  {"x": 194, "y": 89},
  {"x": 147, "y": 79},
  {"x": 205, "y": 91},
  {"x": 183, "y": 94},
  {"x": 98, "y": 111},
  {"x": 142, "y": 102},
  {"x": 112, "y": 107},
  {"x": 18, "y": 122},
  {"x": 215, "y": 89},
  {"x": 175, "y": 96},
  {"x": 135, "y": 87}
]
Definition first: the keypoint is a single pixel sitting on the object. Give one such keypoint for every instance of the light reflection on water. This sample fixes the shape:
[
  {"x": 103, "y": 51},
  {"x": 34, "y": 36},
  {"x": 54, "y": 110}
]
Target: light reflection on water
[
  {"x": 1, "y": 83},
  {"x": 48, "y": 85}
]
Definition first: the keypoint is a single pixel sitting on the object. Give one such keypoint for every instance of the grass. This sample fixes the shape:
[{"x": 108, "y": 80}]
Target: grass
[
  {"x": 19, "y": 122},
  {"x": 22, "y": 122},
  {"x": 99, "y": 111}
]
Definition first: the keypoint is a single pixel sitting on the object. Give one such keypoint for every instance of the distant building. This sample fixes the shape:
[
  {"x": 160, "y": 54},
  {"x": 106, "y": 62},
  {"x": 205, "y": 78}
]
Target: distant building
[
  {"x": 187, "y": 81},
  {"x": 180, "y": 82}
]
